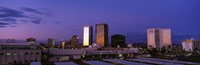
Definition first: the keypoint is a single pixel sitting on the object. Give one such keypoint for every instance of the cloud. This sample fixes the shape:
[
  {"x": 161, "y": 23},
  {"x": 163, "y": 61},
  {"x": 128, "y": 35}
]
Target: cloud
[
  {"x": 10, "y": 16},
  {"x": 8, "y": 19},
  {"x": 13, "y": 26},
  {"x": 57, "y": 22},
  {"x": 2, "y": 24},
  {"x": 37, "y": 21},
  {"x": 23, "y": 20},
  {"x": 7, "y": 13},
  {"x": 31, "y": 10}
]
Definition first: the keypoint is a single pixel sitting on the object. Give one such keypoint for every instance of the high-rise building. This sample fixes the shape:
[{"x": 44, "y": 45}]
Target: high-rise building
[
  {"x": 74, "y": 40},
  {"x": 51, "y": 43},
  {"x": 158, "y": 37},
  {"x": 191, "y": 44},
  {"x": 62, "y": 44},
  {"x": 118, "y": 40},
  {"x": 67, "y": 43},
  {"x": 102, "y": 34},
  {"x": 87, "y": 35}
]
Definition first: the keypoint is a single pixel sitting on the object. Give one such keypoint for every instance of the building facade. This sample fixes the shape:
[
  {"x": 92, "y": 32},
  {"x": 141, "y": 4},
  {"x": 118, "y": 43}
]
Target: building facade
[
  {"x": 118, "y": 40},
  {"x": 158, "y": 37},
  {"x": 191, "y": 45},
  {"x": 31, "y": 40},
  {"x": 102, "y": 34},
  {"x": 17, "y": 53},
  {"x": 87, "y": 35},
  {"x": 74, "y": 40},
  {"x": 51, "y": 43}
]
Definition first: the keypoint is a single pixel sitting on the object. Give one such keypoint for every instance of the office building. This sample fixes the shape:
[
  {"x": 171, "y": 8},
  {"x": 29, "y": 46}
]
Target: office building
[
  {"x": 87, "y": 35},
  {"x": 67, "y": 43},
  {"x": 74, "y": 40},
  {"x": 51, "y": 43},
  {"x": 62, "y": 44},
  {"x": 158, "y": 37},
  {"x": 102, "y": 34},
  {"x": 118, "y": 40},
  {"x": 191, "y": 44}
]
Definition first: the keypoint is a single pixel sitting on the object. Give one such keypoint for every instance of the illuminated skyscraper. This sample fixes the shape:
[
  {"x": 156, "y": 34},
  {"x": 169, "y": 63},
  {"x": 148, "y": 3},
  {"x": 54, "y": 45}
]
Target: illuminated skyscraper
[
  {"x": 158, "y": 37},
  {"x": 102, "y": 34},
  {"x": 87, "y": 35}
]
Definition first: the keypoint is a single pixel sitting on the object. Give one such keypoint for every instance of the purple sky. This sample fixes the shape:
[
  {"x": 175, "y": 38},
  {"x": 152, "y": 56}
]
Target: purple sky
[{"x": 60, "y": 19}]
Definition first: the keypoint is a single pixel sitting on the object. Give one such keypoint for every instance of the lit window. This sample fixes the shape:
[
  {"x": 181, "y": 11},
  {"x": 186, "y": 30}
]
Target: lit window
[
  {"x": 8, "y": 54},
  {"x": 21, "y": 53},
  {"x": 14, "y": 54}
]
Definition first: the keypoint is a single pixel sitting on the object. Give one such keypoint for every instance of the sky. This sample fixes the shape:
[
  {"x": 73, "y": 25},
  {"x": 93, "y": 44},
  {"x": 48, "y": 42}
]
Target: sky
[{"x": 60, "y": 19}]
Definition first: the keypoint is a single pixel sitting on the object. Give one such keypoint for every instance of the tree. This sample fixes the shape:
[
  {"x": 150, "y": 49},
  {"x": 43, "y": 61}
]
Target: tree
[
  {"x": 163, "y": 50},
  {"x": 153, "y": 52}
]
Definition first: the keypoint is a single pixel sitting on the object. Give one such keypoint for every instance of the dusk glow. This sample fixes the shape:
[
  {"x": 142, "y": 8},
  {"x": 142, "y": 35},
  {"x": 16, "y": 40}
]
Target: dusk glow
[{"x": 62, "y": 19}]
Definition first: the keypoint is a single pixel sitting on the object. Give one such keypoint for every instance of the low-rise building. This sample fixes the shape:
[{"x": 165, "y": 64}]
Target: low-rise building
[
  {"x": 70, "y": 54},
  {"x": 65, "y": 54},
  {"x": 191, "y": 44},
  {"x": 19, "y": 53}
]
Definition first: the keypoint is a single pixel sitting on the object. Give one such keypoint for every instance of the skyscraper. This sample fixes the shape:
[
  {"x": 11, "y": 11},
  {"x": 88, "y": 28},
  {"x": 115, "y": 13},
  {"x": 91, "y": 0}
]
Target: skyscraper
[
  {"x": 118, "y": 40},
  {"x": 158, "y": 37},
  {"x": 62, "y": 44},
  {"x": 87, "y": 35},
  {"x": 51, "y": 43},
  {"x": 74, "y": 40},
  {"x": 102, "y": 34}
]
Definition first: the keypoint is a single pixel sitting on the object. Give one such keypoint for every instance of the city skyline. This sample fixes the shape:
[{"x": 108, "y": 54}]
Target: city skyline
[
  {"x": 99, "y": 32},
  {"x": 43, "y": 20}
]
